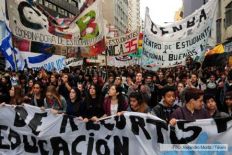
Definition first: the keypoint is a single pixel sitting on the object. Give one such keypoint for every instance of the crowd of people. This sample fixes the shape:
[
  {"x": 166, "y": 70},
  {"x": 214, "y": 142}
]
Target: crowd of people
[{"x": 184, "y": 92}]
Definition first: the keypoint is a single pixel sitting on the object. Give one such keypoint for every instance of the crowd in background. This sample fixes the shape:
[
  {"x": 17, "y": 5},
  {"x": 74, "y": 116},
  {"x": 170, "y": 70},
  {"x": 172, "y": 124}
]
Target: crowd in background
[{"x": 184, "y": 92}]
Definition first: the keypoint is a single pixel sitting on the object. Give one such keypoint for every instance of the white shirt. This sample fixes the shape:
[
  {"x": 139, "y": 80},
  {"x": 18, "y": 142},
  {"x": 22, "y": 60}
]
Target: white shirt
[{"x": 114, "y": 109}]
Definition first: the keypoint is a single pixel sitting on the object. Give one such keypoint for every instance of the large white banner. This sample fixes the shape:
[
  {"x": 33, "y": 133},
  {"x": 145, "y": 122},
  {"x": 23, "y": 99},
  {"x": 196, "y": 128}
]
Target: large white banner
[
  {"x": 123, "y": 45},
  {"x": 168, "y": 46},
  {"x": 29, "y": 131},
  {"x": 28, "y": 22}
]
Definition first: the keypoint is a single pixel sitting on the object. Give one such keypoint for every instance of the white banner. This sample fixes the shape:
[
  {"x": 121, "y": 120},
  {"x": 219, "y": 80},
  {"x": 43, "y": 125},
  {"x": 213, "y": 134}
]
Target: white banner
[
  {"x": 121, "y": 61},
  {"x": 73, "y": 62},
  {"x": 123, "y": 45},
  {"x": 47, "y": 61},
  {"x": 28, "y": 22},
  {"x": 29, "y": 131},
  {"x": 168, "y": 46}
]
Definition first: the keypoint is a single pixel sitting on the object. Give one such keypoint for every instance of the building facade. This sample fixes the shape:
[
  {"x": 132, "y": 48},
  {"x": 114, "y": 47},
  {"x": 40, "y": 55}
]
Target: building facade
[
  {"x": 115, "y": 12},
  {"x": 224, "y": 21},
  {"x": 133, "y": 15},
  {"x": 61, "y": 8}
]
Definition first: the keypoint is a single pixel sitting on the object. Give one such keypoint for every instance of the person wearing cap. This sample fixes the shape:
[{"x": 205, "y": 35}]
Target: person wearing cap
[
  {"x": 228, "y": 103},
  {"x": 211, "y": 107},
  {"x": 193, "y": 108}
]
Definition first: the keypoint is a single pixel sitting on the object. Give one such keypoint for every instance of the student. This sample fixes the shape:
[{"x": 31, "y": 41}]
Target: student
[
  {"x": 211, "y": 107},
  {"x": 228, "y": 103},
  {"x": 115, "y": 102},
  {"x": 92, "y": 104},
  {"x": 55, "y": 101},
  {"x": 137, "y": 104},
  {"x": 73, "y": 103},
  {"x": 166, "y": 106},
  {"x": 193, "y": 108}
]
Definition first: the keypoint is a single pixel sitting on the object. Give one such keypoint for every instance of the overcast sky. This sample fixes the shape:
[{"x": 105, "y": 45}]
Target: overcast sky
[{"x": 160, "y": 10}]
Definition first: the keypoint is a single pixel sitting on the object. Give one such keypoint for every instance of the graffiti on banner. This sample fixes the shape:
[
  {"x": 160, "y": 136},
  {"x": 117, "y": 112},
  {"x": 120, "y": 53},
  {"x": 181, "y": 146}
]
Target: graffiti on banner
[
  {"x": 121, "y": 61},
  {"x": 123, "y": 45},
  {"x": 28, "y": 22},
  {"x": 72, "y": 62},
  {"x": 168, "y": 46},
  {"x": 47, "y": 61}
]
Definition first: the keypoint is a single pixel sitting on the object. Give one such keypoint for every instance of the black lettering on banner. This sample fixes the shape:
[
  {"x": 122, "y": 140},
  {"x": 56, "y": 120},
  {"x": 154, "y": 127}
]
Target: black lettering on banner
[
  {"x": 196, "y": 131},
  {"x": 175, "y": 28},
  {"x": 59, "y": 145},
  {"x": 120, "y": 122},
  {"x": 17, "y": 141},
  {"x": 221, "y": 123},
  {"x": 163, "y": 32},
  {"x": 121, "y": 148},
  {"x": 76, "y": 142},
  {"x": 159, "y": 125},
  {"x": 92, "y": 126},
  {"x": 152, "y": 26},
  {"x": 22, "y": 115},
  {"x": 203, "y": 15},
  {"x": 102, "y": 143},
  {"x": 30, "y": 148},
  {"x": 36, "y": 121},
  {"x": 191, "y": 23},
  {"x": 23, "y": 19},
  {"x": 65, "y": 122},
  {"x": 3, "y": 146},
  {"x": 18, "y": 121},
  {"x": 90, "y": 144},
  {"x": 41, "y": 147},
  {"x": 108, "y": 126},
  {"x": 137, "y": 122}
]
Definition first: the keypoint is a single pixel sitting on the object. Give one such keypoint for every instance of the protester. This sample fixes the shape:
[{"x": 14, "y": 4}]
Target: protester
[
  {"x": 73, "y": 103},
  {"x": 92, "y": 104},
  {"x": 115, "y": 102},
  {"x": 228, "y": 103},
  {"x": 37, "y": 98},
  {"x": 193, "y": 108},
  {"x": 211, "y": 107},
  {"x": 16, "y": 95},
  {"x": 166, "y": 106},
  {"x": 55, "y": 101},
  {"x": 137, "y": 104},
  {"x": 180, "y": 94}
]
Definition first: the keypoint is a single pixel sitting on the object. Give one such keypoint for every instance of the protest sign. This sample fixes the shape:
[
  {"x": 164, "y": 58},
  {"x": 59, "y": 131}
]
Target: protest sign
[
  {"x": 168, "y": 46},
  {"x": 28, "y": 130}
]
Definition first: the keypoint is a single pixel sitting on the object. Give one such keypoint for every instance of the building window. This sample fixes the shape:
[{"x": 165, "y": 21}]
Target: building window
[
  {"x": 40, "y": 1},
  {"x": 229, "y": 15},
  {"x": 218, "y": 27}
]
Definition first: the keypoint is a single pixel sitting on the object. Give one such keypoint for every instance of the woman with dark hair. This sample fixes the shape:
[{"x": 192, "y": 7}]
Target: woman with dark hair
[
  {"x": 5, "y": 86},
  {"x": 54, "y": 100},
  {"x": 137, "y": 104},
  {"x": 16, "y": 95},
  {"x": 115, "y": 102},
  {"x": 92, "y": 104},
  {"x": 37, "y": 98},
  {"x": 73, "y": 103}
]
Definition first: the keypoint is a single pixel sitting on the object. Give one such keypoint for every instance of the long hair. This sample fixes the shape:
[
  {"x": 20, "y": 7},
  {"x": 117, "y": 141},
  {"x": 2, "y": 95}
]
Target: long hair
[
  {"x": 56, "y": 95},
  {"x": 120, "y": 97},
  {"x": 89, "y": 98},
  {"x": 142, "y": 104},
  {"x": 17, "y": 99}
]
